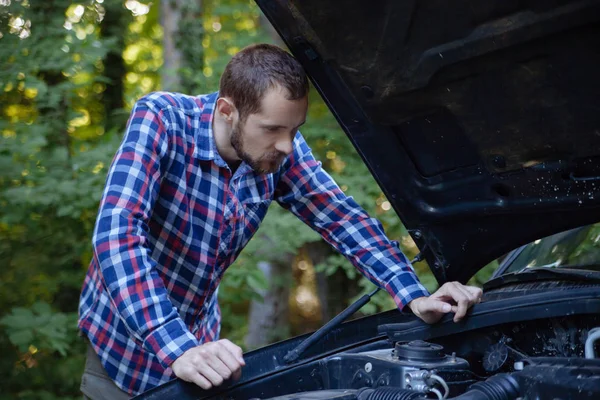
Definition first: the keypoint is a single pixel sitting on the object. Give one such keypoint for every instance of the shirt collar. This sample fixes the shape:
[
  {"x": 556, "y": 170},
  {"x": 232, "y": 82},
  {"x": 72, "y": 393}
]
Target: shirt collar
[{"x": 206, "y": 146}]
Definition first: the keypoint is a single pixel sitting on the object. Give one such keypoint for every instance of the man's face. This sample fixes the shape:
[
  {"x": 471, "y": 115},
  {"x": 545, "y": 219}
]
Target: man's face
[{"x": 264, "y": 139}]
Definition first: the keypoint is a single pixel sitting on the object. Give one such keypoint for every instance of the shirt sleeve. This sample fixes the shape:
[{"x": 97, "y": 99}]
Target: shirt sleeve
[
  {"x": 120, "y": 240},
  {"x": 310, "y": 193}
]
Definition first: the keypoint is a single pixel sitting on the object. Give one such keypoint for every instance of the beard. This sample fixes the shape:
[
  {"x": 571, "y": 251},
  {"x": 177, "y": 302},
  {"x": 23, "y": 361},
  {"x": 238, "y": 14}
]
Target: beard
[{"x": 267, "y": 163}]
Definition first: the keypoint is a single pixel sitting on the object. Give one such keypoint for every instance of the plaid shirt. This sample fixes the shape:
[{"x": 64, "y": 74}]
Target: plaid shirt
[{"x": 173, "y": 217}]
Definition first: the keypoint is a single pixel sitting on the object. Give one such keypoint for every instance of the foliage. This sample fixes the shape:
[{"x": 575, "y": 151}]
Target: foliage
[
  {"x": 588, "y": 251},
  {"x": 59, "y": 129},
  {"x": 38, "y": 324},
  {"x": 54, "y": 152}
]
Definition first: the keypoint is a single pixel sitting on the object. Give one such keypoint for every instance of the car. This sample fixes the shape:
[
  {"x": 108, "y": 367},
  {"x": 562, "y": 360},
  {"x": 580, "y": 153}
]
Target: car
[{"x": 481, "y": 123}]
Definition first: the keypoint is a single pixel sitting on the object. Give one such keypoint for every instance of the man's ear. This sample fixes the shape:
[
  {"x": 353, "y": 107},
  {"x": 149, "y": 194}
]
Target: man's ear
[{"x": 226, "y": 108}]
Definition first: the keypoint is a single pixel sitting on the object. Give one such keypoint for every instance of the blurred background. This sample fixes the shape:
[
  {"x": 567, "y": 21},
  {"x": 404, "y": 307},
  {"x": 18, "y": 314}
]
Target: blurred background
[{"x": 69, "y": 75}]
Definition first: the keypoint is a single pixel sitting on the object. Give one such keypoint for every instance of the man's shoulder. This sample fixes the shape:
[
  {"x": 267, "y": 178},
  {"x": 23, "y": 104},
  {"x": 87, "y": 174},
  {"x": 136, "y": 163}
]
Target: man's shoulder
[
  {"x": 301, "y": 148},
  {"x": 300, "y": 151},
  {"x": 161, "y": 100}
]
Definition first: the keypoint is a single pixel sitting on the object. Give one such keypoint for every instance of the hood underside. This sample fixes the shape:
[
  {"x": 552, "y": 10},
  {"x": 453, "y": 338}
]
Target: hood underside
[{"x": 479, "y": 120}]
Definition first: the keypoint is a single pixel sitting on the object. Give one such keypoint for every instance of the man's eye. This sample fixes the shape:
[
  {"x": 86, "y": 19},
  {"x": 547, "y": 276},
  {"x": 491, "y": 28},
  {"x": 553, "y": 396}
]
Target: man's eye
[{"x": 272, "y": 129}]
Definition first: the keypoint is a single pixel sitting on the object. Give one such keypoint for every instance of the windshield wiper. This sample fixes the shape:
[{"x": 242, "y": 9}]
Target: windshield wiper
[
  {"x": 551, "y": 265},
  {"x": 565, "y": 272}
]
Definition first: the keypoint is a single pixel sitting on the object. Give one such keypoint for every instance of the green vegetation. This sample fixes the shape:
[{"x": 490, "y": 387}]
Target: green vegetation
[{"x": 69, "y": 74}]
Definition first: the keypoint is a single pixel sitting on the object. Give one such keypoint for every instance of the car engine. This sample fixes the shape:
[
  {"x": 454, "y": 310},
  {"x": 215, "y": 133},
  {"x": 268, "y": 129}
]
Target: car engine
[{"x": 543, "y": 359}]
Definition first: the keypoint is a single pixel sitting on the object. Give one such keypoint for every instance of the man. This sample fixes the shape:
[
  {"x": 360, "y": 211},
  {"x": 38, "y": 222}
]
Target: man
[{"x": 188, "y": 187}]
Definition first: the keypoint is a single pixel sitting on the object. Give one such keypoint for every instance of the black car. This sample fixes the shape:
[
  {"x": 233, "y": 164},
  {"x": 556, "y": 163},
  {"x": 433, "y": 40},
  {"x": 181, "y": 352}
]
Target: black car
[{"x": 481, "y": 122}]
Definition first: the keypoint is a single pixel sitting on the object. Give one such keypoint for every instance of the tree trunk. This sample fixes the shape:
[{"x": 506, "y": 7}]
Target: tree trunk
[
  {"x": 183, "y": 52},
  {"x": 170, "y": 19},
  {"x": 112, "y": 26},
  {"x": 268, "y": 320},
  {"x": 318, "y": 252},
  {"x": 43, "y": 17}
]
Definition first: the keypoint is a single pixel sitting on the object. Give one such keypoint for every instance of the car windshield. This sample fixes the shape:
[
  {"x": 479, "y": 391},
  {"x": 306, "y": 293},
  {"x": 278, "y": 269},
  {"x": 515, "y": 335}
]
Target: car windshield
[{"x": 576, "y": 248}]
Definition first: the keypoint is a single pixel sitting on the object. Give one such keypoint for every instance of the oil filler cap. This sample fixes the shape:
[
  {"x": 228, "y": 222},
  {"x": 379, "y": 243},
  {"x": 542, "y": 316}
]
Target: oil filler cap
[{"x": 419, "y": 350}]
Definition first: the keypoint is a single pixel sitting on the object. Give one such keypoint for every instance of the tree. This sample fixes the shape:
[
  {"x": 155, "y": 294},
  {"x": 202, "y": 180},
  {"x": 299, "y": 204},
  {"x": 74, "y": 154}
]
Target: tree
[
  {"x": 183, "y": 56},
  {"x": 53, "y": 152},
  {"x": 69, "y": 74},
  {"x": 114, "y": 19}
]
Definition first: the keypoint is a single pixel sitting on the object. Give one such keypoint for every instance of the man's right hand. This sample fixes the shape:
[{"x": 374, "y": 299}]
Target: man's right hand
[{"x": 210, "y": 364}]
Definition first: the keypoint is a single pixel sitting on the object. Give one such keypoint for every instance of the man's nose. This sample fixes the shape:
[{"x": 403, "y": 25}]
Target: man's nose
[{"x": 284, "y": 146}]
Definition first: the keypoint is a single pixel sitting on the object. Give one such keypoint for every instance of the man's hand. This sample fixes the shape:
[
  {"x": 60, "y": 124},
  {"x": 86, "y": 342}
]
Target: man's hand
[
  {"x": 451, "y": 296},
  {"x": 210, "y": 364}
]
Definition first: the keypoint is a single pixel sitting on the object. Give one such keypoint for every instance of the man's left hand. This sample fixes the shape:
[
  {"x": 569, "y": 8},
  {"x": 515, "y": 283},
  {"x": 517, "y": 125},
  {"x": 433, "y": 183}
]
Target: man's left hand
[{"x": 450, "y": 297}]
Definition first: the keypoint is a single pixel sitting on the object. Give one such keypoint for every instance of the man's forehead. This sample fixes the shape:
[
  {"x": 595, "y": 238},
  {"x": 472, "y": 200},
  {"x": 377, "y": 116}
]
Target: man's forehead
[
  {"x": 277, "y": 109},
  {"x": 283, "y": 120}
]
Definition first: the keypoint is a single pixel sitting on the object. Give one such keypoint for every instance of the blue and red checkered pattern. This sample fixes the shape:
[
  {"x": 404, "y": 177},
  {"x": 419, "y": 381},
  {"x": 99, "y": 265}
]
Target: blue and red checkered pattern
[{"x": 173, "y": 217}]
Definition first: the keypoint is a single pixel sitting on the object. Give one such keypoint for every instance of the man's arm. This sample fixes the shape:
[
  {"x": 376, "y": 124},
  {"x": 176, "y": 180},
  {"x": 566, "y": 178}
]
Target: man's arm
[
  {"x": 120, "y": 240},
  {"x": 311, "y": 194},
  {"x": 129, "y": 274}
]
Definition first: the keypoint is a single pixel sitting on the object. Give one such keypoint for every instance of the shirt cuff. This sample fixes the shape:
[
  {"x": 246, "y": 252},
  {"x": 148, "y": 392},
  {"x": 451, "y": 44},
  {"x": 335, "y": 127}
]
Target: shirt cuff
[
  {"x": 170, "y": 341},
  {"x": 404, "y": 288}
]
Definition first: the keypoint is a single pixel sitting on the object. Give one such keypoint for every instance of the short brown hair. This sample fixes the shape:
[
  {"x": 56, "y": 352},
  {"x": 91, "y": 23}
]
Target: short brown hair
[{"x": 257, "y": 68}]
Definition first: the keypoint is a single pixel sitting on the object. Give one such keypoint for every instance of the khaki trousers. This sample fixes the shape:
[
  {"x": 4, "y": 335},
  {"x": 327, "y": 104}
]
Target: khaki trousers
[{"x": 95, "y": 383}]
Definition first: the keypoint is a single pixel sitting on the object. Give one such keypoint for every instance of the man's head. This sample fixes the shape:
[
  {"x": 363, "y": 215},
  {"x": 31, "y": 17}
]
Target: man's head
[{"x": 263, "y": 95}]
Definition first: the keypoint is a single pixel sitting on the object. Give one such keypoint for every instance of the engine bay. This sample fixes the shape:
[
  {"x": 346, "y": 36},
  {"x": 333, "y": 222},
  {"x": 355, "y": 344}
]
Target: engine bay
[
  {"x": 524, "y": 341},
  {"x": 535, "y": 359}
]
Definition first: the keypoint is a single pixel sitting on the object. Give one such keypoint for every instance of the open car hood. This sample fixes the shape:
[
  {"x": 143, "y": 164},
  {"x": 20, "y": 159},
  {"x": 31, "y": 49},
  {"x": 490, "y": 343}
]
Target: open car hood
[{"x": 479, "y": 120}]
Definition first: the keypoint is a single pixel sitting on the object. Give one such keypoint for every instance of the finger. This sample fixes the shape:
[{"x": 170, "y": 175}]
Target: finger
[
  {"x": 186, "y": 372},
  {"x": 463, "y": 306},
  {"x": 472, "y": 299},
  {"x": 229, "y": 360},
  {"x": 436, "y": 306},
  {"x": 474, "y": 294},
  {"x": 477, "y": 292},
  {"x": 460, "y": 298},
  {"x": 235, "y": 350},
  {"x": 220, "y": 367},
  {"x": 237, "y": 374},
  {"x": 210, "y": 374},
  {"x": 445, "y": 292},
  {"x": 190, "y": 374},
  {"x": 201, "y": 381}
]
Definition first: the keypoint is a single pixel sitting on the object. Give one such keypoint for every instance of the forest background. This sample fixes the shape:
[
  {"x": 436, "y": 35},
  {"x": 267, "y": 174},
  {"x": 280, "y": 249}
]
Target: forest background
[{"x": 69, "y": 75}]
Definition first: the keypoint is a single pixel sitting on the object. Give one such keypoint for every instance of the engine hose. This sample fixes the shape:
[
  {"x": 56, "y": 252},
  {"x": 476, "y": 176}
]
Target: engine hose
[
  {"x": 389, "y": 393},
  {"x": 499, "y": 387},
  {"x": 593, "y": 335}
]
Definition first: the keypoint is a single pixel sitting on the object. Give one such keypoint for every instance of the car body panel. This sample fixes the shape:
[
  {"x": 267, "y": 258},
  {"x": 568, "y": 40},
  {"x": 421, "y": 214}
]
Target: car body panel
[
  {"x": 267, "y": 373},
  {"x": 480, "y": 122},
  {"x": 477, "y": 121}
]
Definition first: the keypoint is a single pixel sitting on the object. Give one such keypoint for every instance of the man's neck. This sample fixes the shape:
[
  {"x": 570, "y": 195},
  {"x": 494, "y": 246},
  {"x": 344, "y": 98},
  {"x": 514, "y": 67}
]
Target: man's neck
[{"x": 222, "y": 135}]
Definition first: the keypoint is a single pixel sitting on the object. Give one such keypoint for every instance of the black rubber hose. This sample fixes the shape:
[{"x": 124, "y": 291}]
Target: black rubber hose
[
  {"x": 389, "y": 393},
  {"x": 498, "y": 387}
]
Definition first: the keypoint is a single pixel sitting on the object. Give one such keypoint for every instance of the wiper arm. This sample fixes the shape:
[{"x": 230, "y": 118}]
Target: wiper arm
[
  {"x": 551, "y": 265},
  {"x": 293, "y": 355},
  {"x": 543, "y": 273}
]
